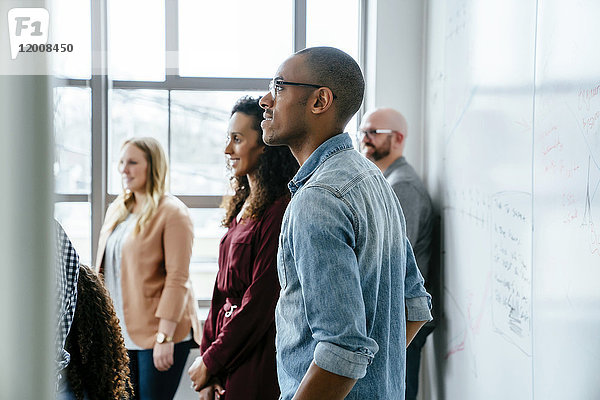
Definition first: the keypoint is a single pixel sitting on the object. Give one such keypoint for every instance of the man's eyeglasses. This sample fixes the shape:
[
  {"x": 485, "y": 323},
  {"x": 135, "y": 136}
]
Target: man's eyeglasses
[
  {"x": 371, "y": 133},
  {"x": 276, "y": 84}
]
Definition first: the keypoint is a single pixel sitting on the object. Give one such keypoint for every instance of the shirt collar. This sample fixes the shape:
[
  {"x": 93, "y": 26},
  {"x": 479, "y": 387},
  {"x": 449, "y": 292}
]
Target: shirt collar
[
  {"x": 328, "y": 148},
  {"x": 396, "y": 164}
]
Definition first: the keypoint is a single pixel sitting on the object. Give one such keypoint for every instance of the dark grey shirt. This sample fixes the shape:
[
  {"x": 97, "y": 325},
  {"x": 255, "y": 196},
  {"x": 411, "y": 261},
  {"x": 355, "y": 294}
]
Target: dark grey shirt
[{"x": 417, "y": 208}]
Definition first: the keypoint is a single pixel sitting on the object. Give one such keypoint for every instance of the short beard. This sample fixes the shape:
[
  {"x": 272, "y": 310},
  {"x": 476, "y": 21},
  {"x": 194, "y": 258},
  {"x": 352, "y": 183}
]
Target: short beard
[{"x": 381, "y": 152}]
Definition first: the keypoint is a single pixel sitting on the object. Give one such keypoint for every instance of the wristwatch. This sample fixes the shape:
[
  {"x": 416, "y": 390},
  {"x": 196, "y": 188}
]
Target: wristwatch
[{"x": 162, "y": 338}]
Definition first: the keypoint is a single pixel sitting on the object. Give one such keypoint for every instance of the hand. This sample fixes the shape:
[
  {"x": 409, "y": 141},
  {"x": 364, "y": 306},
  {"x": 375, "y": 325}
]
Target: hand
[
  {"x": 212, "y": 392},
  {"x": 163, "y": 355},
  {"x": 198, "y": 374}
]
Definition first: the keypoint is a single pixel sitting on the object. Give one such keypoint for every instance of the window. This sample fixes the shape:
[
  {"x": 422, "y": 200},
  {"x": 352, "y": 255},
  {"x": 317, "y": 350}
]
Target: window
[
  {"x": 136, "y": 40},
  {"x": 72, "y": 138},
  {"x": 257, "y": 37},
  {"x": 135, "y": 113},
  {"x": 75, "y": 218},
  {"x": 77, "y": 31},
  {"x": 174, "y": 75},
  {"x": 334, "y": 23},
  {"x": 198, "y": 124}
]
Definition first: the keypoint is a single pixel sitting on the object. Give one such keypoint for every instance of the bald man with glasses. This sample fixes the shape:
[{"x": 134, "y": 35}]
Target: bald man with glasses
[{"x": 382, "y": 138}]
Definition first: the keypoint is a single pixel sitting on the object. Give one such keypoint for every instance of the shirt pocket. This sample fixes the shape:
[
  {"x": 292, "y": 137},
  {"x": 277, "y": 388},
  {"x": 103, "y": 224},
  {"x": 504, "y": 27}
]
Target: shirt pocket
[{"x": 239, "y": 258}]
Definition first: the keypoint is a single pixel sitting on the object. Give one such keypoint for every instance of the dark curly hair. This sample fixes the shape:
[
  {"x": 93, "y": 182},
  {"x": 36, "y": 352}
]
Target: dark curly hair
[
  {"x": 99, "y": 363},
  {"x": 276, "y": 167}
]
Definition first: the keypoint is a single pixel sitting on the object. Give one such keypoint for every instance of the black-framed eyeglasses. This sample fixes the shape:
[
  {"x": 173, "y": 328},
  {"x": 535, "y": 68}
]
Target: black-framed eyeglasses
[
  {"x": 371, "y": 133},
  {"x": 275, "y": 86}
]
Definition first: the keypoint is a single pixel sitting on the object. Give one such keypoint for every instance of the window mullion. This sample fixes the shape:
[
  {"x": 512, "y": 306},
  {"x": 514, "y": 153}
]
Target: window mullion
[
  {"x": 192, "y": 83},
  {"x": 99, "y": 84},
  {"x": 171, "y": 38},
  {"x": 299, "y": 25}
]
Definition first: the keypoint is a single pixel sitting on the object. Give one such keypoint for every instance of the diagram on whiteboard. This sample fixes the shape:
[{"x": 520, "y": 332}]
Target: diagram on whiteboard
[
  {"x": 511, "y": 263},
  {"x": 589, "y": 110}
]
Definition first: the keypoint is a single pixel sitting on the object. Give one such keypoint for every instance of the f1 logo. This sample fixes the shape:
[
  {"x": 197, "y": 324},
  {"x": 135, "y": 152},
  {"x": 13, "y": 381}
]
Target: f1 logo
[{"x": 27, "y": 26}]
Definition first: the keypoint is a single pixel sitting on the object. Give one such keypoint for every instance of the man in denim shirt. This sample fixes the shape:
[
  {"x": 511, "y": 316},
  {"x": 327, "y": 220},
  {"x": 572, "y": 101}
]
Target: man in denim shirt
[{"x": 351, "y": 294}]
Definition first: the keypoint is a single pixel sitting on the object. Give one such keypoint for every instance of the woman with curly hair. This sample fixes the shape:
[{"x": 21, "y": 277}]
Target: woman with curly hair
[
  {"x": 238, "y": 345},
  {"x": 99, "y": 362}
]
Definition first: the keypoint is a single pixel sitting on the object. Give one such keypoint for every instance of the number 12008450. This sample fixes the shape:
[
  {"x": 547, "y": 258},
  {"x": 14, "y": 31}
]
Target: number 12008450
[{"x": 46, "y": 48}]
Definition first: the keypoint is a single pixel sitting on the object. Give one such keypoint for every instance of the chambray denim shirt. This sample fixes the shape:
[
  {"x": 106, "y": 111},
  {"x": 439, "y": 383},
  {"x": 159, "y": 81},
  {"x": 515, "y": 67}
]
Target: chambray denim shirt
[{"x": 346, "y": 271}]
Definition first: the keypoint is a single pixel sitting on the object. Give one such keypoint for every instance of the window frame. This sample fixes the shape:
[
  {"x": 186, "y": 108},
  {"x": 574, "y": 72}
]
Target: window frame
[{"x": 100, "y": 86}]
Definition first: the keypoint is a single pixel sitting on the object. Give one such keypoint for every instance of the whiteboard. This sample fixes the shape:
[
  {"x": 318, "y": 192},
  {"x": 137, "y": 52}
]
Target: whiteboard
[{"x": 513, "y": 156}]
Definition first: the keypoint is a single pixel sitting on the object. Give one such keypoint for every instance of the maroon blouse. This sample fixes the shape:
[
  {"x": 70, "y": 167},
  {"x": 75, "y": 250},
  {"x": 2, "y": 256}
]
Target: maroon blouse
[{"x": 238, "y": 344}]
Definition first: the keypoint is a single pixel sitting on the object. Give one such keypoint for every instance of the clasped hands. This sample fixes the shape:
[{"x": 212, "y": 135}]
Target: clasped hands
[{"x": 210, "y": 389}]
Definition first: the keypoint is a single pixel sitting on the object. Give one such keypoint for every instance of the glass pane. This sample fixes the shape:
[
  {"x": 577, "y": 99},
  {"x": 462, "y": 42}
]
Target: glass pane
[
  {"x": 76, "y": 219},
  {"x": 207, "y": 235},
  {"x": 352, "y": 128},
  {"x": 198, "y": 132},
  {"x": 135, "y": 113},
  {"x": 77, "y": 32},
  {"x": 136, "y": 40},
  {"x": 234, "y": 38},
  {"x": 333, "y": 23},
  {"x": 72, "y": 137}
]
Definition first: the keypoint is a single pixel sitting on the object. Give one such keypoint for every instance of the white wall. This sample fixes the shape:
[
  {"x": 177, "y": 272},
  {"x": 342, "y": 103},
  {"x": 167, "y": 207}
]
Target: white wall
[{"x": 394, "y": 65}]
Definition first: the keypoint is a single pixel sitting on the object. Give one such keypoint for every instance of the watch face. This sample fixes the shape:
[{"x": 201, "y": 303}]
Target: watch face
[{"x": 160, "y": 337}]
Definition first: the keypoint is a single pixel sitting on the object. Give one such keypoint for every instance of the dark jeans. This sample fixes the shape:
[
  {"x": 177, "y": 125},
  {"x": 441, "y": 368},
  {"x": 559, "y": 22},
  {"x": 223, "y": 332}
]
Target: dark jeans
[
  {"x": 151, "y": 384},
  {"x": 413, "y": 362}
]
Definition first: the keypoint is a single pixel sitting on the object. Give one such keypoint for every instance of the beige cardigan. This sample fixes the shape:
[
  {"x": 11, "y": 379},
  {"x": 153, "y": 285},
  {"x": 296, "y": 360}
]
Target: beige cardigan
[{"x": 155, "y": 274}]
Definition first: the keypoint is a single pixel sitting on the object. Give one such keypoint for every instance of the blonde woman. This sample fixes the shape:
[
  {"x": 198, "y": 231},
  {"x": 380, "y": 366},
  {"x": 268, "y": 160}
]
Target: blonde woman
[{"x": 144, "y": 254}]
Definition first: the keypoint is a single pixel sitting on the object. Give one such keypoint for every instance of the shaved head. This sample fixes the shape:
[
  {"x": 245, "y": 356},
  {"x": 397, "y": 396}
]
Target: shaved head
[
  {"x": 386, "y": 146},
  {"x": 337, "y": 70},
  {"x": 387, "y": 118}
]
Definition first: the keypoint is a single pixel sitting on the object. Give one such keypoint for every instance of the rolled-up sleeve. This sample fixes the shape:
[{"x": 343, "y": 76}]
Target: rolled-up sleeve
[
  {"x": 341, "y": 361},
  {"x": 329, "y": 276},
  {"x": 418, "y": 301}
]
